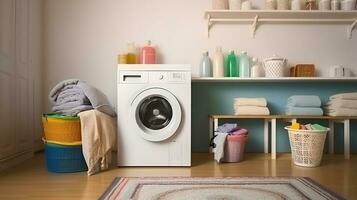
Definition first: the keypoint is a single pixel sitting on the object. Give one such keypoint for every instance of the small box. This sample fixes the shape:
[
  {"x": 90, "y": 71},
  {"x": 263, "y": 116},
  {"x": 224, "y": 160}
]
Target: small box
[{"x": 303, "y": 70}]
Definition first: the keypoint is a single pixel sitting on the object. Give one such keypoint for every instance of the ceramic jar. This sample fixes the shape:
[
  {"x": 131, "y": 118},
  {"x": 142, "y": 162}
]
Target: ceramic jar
[
  {"x": 335, "y": 5},
  {"x": 296, "y": 5},
  {"x": 270, "y": 5},
  {"x": 219, "y": 4},
  {"x": 324, "y": 5},
  {"x": 235, "y": 4},
  {"x": 246, "y": 5},
  {"x": 348, "y": 4},
  {"x": 283, "y": 4}
]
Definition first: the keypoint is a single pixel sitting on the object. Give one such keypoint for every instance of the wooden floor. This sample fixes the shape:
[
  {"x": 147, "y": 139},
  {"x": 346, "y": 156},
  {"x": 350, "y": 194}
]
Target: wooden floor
[{"x": 30, "y": 180}]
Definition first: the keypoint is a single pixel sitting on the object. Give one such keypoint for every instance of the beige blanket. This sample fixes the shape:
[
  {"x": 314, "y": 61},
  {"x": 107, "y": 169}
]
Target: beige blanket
[
  {"x": 251, "y": 110},
  {"x": 98, "y": 139},
  {"x": 345, "y": 112},
  {"x": 262, "y": 102},
  {"x": 341, "y": 103},
  {"x": 351, "y": 96}
]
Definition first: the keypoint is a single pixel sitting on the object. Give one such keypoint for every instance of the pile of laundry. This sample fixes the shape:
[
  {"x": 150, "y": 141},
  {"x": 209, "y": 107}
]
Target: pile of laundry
[
  {"x": 304, "y": 105},
  {"x": 218, "y": 141},
  {"x": 74, "y": 97},
  {"x": 250, "y": 106},
  {"x": 344, "y": 104}
]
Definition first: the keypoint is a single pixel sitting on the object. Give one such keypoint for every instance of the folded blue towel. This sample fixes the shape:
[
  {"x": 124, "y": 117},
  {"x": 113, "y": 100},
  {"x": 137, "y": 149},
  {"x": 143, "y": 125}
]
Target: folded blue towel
[
  {"x": 290, "y": 110},
  {"x": 304, "y": 101}
]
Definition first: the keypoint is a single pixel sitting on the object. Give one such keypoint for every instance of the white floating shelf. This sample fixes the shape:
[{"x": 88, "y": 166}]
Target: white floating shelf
[
  {"x": 283, "y": 79},
  {"x": 281, "y": 16}
]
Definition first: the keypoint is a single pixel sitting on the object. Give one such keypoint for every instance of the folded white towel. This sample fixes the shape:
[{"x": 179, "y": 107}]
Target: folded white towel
[
  {"x": 351, "y": 96},
  {"x": 348, "y": 112},
  {"x": 250, "y": 102},
  {"x": 341, "y": 103},
  {"x": 251, "y": 110}
]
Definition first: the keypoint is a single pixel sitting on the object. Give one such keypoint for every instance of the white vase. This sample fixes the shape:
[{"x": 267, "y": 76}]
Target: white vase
[{"x": 235, "y": 4}]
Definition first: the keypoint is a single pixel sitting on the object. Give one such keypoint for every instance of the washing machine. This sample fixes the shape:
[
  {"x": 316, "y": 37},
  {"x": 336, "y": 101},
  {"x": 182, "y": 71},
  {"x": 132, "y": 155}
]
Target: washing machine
[{"x": 154, "y": 115}]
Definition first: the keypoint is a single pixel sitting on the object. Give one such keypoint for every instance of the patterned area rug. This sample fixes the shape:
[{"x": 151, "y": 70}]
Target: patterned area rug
[{"x": 267, "y": 188}]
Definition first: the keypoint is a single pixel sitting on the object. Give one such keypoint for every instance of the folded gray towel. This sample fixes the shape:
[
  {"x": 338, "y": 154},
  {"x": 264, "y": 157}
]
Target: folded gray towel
[
  {"x": 75, "y": 110},
  {"x": 73, "y": 96},
  {"x": 60, "y": 87},
  {"x": 304, "y": 101},
  {"x": 290, "y": 110},
  {"x": 69, "y": 105}
]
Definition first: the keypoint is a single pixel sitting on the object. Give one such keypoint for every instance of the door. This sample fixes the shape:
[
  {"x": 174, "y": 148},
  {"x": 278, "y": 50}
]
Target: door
[
  {"x": 7, "y": 78},
  {"x": 23, "y": 100},
  {"x": 156, "y": 113}
]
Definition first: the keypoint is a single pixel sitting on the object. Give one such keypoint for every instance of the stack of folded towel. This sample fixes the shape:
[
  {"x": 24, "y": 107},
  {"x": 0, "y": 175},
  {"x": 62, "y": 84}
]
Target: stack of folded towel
[
  {"x": 219, "y": 139},
  {"x": 250, "y": 106},
  {"x": 304, "y": 105},
  {"x": 344, "y": 104},
  {"x": 73, "y": 96}
]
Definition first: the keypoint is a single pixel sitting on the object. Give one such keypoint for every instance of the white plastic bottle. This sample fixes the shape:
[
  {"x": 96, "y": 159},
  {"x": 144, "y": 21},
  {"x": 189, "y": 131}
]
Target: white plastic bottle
[
  {"x": 218, "y": 63},
  {"x": 255, "y": 71}
]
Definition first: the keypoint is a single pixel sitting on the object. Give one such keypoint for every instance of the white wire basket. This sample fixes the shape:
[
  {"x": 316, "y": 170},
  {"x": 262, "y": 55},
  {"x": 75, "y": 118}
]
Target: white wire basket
[{"x": 307, "y": 146}]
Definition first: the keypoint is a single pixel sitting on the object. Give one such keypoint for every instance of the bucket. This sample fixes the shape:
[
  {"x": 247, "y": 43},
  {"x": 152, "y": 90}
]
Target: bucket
[{"x": 234, "y": 148}]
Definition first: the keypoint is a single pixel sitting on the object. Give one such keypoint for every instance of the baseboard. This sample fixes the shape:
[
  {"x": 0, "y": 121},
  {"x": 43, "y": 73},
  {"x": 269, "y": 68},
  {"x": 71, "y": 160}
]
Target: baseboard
[
  {"x": 38, "y": 145},
  {"x": 15, "y": 160}
]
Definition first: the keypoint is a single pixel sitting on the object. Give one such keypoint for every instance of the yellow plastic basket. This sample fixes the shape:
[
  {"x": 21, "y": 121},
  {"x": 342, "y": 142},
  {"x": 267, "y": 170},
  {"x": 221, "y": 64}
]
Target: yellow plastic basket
[{"x": 61, "y": 129}]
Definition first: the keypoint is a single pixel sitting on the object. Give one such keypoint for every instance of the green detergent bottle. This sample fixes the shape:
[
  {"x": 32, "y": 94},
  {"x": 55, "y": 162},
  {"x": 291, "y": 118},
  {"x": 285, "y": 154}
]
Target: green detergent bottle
[{"x": 231, "y": 65}]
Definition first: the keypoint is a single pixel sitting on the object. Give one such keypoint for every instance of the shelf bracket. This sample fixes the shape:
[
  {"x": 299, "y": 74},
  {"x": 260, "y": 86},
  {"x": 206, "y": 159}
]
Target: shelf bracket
[
  {"x": 255, "y": 25},
  {"x": 209, "y": 24},
  {"x": 350, "y": 29}
]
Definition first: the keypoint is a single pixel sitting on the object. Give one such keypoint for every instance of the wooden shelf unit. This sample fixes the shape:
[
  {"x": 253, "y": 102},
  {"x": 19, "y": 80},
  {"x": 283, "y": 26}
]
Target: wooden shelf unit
[{"x": 214, "y": 122}]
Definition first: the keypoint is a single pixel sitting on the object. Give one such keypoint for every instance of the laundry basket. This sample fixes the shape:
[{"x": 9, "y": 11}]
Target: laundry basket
[
  {"x": 234, "y": 148},
  {"x": 65, "y": 129},
  {"x": 307, "y": 146},
  {"x": 64, "y": 158}
]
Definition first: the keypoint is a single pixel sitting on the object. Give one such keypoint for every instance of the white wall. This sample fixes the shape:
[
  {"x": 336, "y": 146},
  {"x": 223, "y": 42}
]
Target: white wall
[{"x": 83, "y": 37}]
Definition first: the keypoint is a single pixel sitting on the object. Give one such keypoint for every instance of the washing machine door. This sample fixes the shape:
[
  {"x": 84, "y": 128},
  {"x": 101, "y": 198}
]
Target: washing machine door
[{"x": 157, "y": 114}]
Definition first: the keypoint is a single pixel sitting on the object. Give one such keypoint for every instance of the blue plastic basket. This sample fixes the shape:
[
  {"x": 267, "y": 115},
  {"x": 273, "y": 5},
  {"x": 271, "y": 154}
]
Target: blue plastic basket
[{"x": 64, "y": 158}]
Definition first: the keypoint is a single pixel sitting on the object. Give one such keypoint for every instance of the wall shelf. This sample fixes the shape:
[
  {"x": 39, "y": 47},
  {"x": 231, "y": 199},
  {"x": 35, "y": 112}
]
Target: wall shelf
[
  {"x": 282, "y": 79},
  {"x": 257, "y": 17}
]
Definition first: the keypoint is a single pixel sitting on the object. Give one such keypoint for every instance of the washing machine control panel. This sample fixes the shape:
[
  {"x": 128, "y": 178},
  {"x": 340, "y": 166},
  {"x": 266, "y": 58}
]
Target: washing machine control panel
[{"x": 167, "y": 77}]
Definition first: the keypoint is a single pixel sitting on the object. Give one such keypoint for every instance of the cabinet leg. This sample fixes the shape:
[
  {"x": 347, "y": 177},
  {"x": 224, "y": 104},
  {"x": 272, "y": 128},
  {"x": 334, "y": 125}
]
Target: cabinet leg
[
  {"x": 331, "y": 137},
  {"x": 273, "y": 139},
  {"x": 347, "y": 138},
  {"x": 266, "y": 136}
]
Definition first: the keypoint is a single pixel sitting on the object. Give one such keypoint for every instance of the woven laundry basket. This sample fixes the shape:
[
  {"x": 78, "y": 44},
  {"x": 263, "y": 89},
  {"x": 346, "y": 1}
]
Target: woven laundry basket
[
  {"x": 61, "y": 129},
  {"x": 307, "y": 146}
]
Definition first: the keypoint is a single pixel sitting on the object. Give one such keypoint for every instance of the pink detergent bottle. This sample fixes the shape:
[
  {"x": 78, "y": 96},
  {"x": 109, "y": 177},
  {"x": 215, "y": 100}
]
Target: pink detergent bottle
[{"x": 148, "y": 54}]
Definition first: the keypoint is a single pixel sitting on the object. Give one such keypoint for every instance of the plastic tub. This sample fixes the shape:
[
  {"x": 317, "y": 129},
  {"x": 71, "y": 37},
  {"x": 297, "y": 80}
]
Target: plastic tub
[
  {"x": 62, "y": 129},
  {"x": 234, "y": 148},
  {"x": 64, "y": 158},
  {"x": 307, "y": 146}
]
